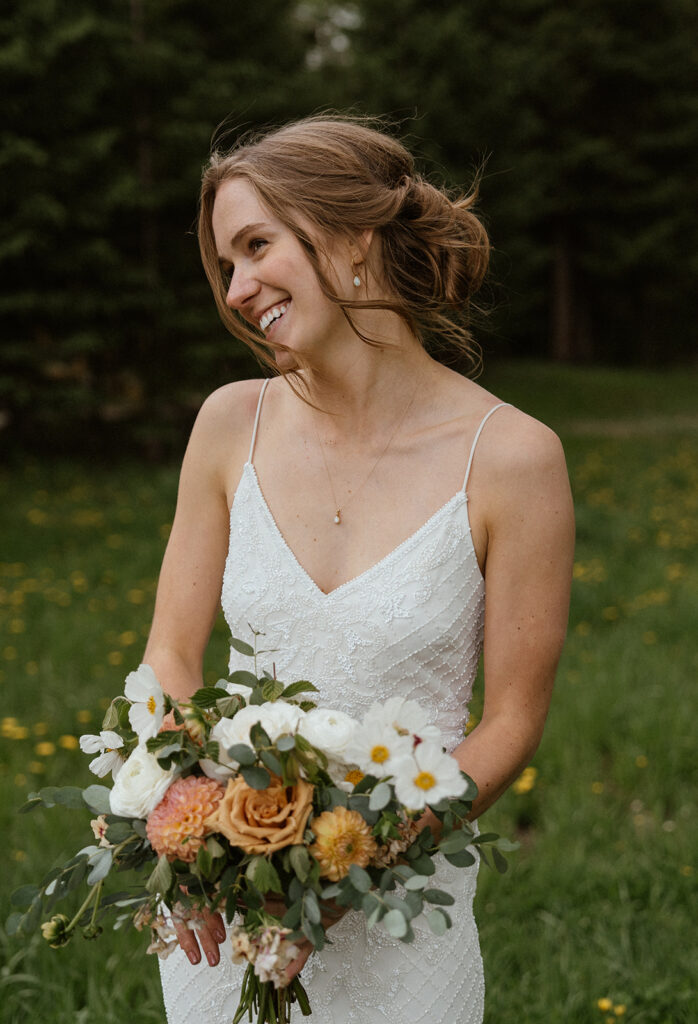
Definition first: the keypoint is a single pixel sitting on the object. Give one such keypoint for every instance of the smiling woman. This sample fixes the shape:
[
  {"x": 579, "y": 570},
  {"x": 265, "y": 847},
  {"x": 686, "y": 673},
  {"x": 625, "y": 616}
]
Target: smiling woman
[{"x": 383, "y": 520}]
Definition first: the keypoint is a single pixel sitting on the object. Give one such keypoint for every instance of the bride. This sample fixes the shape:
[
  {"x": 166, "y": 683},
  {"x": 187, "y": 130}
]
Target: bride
[{"x": 381, "y": 518}]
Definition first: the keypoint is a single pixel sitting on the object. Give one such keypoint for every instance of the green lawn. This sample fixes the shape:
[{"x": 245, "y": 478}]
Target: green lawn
[{"x": 600, "y": 900}]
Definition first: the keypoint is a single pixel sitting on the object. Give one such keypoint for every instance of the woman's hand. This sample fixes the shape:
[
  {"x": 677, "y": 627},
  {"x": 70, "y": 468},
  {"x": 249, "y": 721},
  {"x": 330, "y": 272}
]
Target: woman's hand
[
  {"x": 331, "y": 913},
  {"x": 208, "y": 935}
]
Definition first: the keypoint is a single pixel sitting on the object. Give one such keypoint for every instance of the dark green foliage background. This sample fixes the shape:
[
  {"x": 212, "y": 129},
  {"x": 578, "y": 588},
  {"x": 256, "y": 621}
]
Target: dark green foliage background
[{"x": 585, "y": 116}]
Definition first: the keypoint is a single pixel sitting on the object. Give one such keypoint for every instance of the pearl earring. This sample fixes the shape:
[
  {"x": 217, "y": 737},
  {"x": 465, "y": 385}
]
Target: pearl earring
[{"x": 357, "y": 279}]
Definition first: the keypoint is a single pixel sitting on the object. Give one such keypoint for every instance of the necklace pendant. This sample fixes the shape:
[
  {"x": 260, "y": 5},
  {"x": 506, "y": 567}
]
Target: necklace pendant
[{"x": 338, "y": 517}]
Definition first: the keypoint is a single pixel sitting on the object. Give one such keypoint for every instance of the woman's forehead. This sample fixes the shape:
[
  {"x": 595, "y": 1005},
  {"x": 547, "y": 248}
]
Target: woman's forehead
[{"x": 236, "y": 202}]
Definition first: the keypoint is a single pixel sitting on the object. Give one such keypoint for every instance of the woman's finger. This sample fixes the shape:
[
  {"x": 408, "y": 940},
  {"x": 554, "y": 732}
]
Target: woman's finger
[
  {"x": 209, "y": 933},
  {"x": 296, "y": 966}
]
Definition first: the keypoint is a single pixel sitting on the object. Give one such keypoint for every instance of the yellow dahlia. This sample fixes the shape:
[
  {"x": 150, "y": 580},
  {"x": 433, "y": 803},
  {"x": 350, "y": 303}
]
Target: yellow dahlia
[
  {"x": 177, "y": 826},
  {"x": 342, "y": 838}
]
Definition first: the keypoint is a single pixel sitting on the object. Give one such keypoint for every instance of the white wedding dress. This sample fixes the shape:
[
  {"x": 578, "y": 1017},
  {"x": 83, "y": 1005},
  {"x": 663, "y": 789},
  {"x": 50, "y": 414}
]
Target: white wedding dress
[{"x": 411, "y": 625}]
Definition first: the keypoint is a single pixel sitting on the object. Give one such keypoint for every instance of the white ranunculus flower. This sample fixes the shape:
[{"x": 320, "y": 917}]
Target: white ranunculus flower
[
  {"x": 330, "y": 731},
  {"x": 407, "y": 716},
  {"x": 107, "y": 745},
  {"x": 147, "y": 702},
  {"x": 376, "y": 746},
  {"x": 427, "y": 776},
  {"x": 276, "y": 718},
  {"x": 140, "y": 786}
]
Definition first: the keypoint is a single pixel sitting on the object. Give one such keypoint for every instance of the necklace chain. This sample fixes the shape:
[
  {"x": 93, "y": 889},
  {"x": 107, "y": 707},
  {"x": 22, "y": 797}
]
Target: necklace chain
[{"x": 338, "y": 507}]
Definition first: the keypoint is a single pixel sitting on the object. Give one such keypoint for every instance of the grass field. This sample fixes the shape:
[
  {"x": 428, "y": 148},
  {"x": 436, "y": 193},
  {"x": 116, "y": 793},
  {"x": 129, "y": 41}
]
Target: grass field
[{"x": 600, "y": 901}]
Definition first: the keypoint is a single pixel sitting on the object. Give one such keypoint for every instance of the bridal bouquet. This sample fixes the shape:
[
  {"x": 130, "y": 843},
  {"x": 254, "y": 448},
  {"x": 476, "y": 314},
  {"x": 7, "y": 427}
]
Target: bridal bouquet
[{"x": 248, "y": 797}]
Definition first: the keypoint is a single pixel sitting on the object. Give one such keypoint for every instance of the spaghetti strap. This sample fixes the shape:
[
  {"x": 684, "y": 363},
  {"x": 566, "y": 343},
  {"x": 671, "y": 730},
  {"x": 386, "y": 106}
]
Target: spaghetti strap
[
  {"x": 484, "y": 420},
  {"x": 256, "y": 419}
]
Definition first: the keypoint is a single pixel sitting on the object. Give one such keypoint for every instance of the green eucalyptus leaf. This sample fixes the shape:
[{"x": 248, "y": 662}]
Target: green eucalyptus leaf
[
  {"x": 416, "y": 882},
  {"x": 439, "y": 897},
  {"x": 300, "y": 861},
  {"x": 395, "y": 923},
  {"x": 97, "y": 799},
  {"x": 256, "y": 778},
  {"x": 380, "y": 796},
  {"x": 311, "y": 907},
  {"x": 437, "y": 922},
  {"x": 24, "y": 896},
  {"x": 13, "y": 923},
  {"x": 100, "y": 866},
  {"x": 292, "y": 917},
  {"x": 241, "y": 647},
  {"x": 271, "y": 761},
  {"x": 461, "y": 859},
  {"x": 360, "y": 879},
  {"x": 500, "y": 861},
  {"x": 454, "y": 842},
  {"x": 32, "y": 803},
  {"x": 243, "y": 754},
  {"x": 285, "y": 743}
]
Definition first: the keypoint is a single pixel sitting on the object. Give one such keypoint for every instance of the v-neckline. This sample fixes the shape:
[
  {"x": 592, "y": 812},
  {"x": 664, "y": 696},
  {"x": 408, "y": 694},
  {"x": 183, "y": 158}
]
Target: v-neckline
[{"x": 458, "y": 498}]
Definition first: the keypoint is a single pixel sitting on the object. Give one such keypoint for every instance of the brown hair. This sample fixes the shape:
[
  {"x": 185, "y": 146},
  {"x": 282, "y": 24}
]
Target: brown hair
[{"x": 343, "y": 175}]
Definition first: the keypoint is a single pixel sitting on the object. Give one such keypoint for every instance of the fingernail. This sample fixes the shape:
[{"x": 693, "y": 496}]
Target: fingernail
[
  {"x": 220, "y": 936},
  {"x": 212, "y": 959},
  {"x": 193, "y": 956}
]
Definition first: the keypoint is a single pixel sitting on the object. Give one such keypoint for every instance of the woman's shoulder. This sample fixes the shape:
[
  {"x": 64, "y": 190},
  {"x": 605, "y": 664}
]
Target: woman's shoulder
[{"x": 512, "y": 443}]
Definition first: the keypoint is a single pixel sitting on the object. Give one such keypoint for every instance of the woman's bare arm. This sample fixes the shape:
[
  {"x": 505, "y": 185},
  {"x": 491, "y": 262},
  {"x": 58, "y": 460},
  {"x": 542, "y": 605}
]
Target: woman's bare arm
[
  {"x": 189, "y": 587},
  {"x": 528, "y": 571}
]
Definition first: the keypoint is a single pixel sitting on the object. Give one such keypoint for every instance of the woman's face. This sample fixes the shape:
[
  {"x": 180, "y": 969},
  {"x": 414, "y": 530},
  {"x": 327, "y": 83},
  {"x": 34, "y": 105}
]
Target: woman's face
[{"x": 272, "y": 283}]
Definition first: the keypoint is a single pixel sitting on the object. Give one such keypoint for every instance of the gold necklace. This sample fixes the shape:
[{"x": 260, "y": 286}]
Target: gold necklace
[{"x": 338, "y": 508}]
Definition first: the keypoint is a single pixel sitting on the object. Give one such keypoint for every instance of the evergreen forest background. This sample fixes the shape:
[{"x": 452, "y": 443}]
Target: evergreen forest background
[{"x": 585, "y": 114}]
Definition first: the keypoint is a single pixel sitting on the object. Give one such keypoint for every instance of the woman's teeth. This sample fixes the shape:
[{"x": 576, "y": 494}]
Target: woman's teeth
[{"x": 271, "y": 315}]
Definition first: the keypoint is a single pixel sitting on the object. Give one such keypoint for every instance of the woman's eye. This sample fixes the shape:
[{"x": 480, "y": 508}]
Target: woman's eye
[{"x": 256, "y": 244}]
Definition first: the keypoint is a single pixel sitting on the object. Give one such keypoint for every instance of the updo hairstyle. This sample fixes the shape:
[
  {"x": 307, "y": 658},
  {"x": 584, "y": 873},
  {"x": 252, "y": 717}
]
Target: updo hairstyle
[{"x": 340, "y": 176}]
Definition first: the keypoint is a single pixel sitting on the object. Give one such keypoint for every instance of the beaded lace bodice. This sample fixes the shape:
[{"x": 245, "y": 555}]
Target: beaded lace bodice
[{"x": 412, "y": 626}]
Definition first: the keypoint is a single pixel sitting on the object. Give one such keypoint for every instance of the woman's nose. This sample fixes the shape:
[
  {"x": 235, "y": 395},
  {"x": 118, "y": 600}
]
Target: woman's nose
[{"x": 242, "y": 290}]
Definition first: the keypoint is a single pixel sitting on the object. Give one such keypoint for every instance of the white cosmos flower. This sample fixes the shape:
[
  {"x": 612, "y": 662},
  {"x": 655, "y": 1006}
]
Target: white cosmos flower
[
  {"x": 330, "y": 731},
  {"x": 407, "y": 716},
  {"x": 147, "y": 702},
  {"x": 141, "y": 785},
  {"x": 107, "y": 745},
  {"x": 376, "y": 746},
  {"x": 427, "y": 776},
  {"x": 276, "y": 718}
]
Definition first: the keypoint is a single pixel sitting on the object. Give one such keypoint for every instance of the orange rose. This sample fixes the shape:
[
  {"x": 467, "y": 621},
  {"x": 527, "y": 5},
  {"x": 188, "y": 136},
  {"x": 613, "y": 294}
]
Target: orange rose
[{"x": 262, "y": 820}]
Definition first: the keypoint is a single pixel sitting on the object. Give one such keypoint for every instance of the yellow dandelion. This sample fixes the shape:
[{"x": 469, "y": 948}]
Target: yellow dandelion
[
  {"x": 45, "y": 749},
  {"x": 36, "y": 767},
  {"x": 20, "y": 779},
  {"x": 620, "y": 1009},
  {"x": 610, "y": 614},
  {"x": 597, "y": 788},
  {"x": 84, "y": 716},
  {"x": 686, "y": 870},
  {"x": 115, "y": 657},
  {"x": 128, "y": 637},
  {"x": 582, "y": 629},
  {"x": 17, "y": 626},
  {"x": 40, "y": 728},
  {"x": 68, "y": 742},
  {"x": 136, "y": 596},
  {"x": 342, "y": 838},
  {"x": 604, "y": 1004},
  {"x": 37, "y": 516},
  {"x": 641, "y": 761},
  {"x": 18, "y": 855},
  {"x": 31, "y": 668},
  {"x": 8, "y": 722},
  {"x": 9, "y": 653},
  {"x": 526, "y": 781}
]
